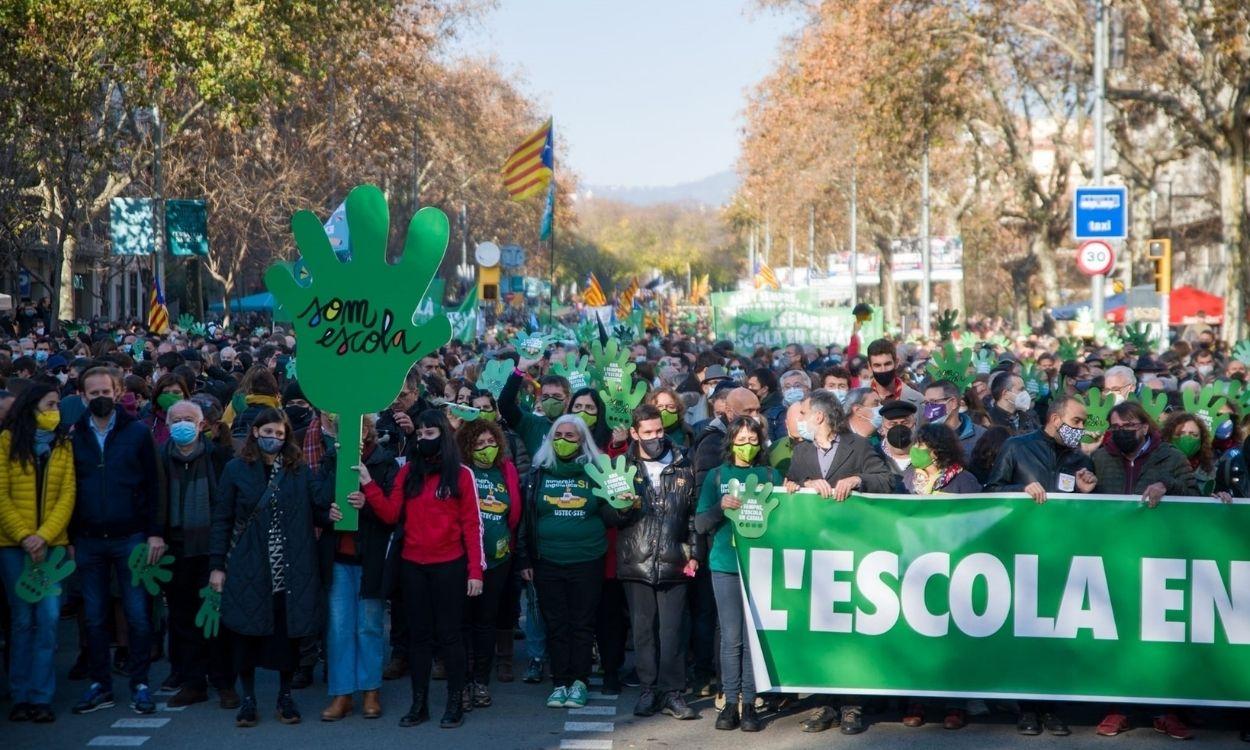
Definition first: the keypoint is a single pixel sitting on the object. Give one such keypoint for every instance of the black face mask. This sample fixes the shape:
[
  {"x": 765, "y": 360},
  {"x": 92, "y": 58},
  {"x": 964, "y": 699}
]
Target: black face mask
[
  {"x": 654, "y": 448},
  {"x": 884, "y": 379},
  {"x": 899, "y": 436},
  {"x": 300, "y": 416},
  {"x": 1126, "y": 441},
  {"x": 101, "y": 406},
  {"x": 429, "y": 447}
]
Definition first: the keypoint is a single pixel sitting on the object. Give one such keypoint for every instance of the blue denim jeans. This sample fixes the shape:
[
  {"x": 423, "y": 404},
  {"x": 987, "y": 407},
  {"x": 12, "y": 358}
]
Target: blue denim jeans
[
  {"x": 735, "y": 652},
  {"x": 355, "y": 642},
  {"x": 97, "y": 560},
  {"x": 32, "y": 635}
]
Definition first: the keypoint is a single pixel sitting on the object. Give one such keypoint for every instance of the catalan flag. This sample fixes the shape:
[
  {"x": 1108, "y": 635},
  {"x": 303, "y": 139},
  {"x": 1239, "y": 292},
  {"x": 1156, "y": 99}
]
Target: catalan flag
[
  {"x": 158, "y": 314},
  {"x": 594, "y": 295},
  {"x": 700, "y": 289},
  {"x": 764, "y": 276},
  {"x": 528, "y": 170},
  {"x": 625, "y": 305}
]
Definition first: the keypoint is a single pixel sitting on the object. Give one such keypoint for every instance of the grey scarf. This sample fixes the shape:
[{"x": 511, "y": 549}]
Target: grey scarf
[{"x": 191, "y": 489}]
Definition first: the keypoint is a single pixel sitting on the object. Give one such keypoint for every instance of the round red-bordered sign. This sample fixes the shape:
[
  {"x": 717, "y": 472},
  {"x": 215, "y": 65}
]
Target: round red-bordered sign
[{"x": 1095, "y": 258}]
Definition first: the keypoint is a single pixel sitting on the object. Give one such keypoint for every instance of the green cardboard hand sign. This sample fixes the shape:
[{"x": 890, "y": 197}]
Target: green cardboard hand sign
[
  {"x": 137, "y": 350},
  {"x": 208, "y": 618},
  {"x": 1154, "y": 402},
  {"x": 983, "y": 361},
  {"x": 495, "y": 376},
  {"x": 530, "y": 345},
  {"x": 185, "y": 321},
  {"x": 1241, "y": 352},
  {"x": 758, "y": 502},
  {"x": 614, "y": 480},
  {"x": 1138, "y": 335},
  {"x": 611, "y": 366},
  {"x": 946, "y": 323},
  {"x": 574, "y": 369},
  {"x": 1236, "y": 393},
  {"x": 464, "y": 412},
  {"x": 1069, "y": 347},
  {"x": 41, "y": 579},
  {"x": 1204, "y": 405},
  {"x": 1000, "y": 342},
  {"x": 620, "y": 404},
  {"x": 291, "y": 372},
  {"x": 967, "y": 340},
  {"x": 587, "y": 333},
  {"x": 1097, "y": 407},
  {"x": 952, "y": 365},
  {"x": 353, "y": 321},
  {"x": 1034, "y": 378},
  {"x": 151, "y": 575}
]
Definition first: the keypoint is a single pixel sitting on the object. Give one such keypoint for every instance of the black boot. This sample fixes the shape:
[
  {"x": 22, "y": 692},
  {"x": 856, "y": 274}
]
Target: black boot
[
  {"x": 727, "y": 720},
  {"x": 454, "y": 715},
  {"x": 302, "y": 678},
  {"x": 750, "y": 720},
  {"x": 419, "y": 713}
]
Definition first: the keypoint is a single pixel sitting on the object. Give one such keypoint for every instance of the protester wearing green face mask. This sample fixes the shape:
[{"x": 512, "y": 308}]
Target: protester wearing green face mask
[
  {"x": 513, "y": 445},
  {"x": 560, "y": 547},
  {"x": 937, "y": 464},
  {"x": 499, "y": 500},
  {"x": 588, "y": 406},
  {"x": 673, "y": 415},
  {"x": 169, "y": 390},
  {"x": 745, "y": 456},
  {"x": 1191, "y": 437},
  {"x": 553, "y": 395}
]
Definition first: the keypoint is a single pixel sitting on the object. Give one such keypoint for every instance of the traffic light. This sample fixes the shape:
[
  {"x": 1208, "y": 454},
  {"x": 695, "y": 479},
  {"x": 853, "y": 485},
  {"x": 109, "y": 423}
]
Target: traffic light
[{"x": 1160, "y": 253}]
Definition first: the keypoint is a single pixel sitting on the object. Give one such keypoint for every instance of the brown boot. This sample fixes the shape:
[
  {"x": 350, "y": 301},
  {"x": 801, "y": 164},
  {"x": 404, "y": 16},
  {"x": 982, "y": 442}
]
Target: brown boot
[
  {"x": 503, "y": 655},
  {"x": 373, "y": 705},
  {"x": 340, "y": 708}
]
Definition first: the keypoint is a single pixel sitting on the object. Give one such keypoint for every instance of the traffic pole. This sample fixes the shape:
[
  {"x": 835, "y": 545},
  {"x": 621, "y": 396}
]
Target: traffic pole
[{"x": 1100, "y": 94}]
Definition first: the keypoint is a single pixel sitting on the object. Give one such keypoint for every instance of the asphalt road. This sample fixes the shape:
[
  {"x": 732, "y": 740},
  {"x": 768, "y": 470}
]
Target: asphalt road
[{"x": 519, "y": 720}]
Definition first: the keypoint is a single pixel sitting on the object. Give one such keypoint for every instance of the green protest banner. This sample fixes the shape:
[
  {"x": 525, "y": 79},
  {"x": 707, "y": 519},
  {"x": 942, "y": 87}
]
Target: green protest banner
[
  {"x": 353, "y": 322},
  {"x": 764, "y": 317},
  {"x": 186, "y": 227},
  {"x": 995, "y": 596}
]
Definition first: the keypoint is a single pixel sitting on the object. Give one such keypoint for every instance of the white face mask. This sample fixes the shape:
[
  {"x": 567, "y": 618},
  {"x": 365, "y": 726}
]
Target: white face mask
[{"x": 1023, "y": 401}]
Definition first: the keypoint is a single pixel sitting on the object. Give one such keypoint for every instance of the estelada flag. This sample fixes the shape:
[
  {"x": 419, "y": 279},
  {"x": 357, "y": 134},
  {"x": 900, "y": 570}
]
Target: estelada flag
[
  {"x": 765, "y": 277},
  {"x": 528, "y": 170},
  {"x": 594, "y": 296},
  {"x": 625, "y": 305},
  {"x": 158, "y": 314}
]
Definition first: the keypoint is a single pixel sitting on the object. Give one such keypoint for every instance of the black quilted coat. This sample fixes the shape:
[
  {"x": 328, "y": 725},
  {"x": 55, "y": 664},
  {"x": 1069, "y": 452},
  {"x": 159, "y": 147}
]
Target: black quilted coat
[
  {"x": 656, "y": 540},
  {"x": 247, "y": 599}
]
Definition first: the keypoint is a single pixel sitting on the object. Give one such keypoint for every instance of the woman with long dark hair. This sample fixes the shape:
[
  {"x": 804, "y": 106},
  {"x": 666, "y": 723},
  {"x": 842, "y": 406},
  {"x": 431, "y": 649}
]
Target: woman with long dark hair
[
  {"x": 586, "y": 404},
  {"x": 435, "y": 502},
  {"x": 169, "y": 390},
  {"x": 36, "y": 502},
  {"x": 263, "y": 557}
]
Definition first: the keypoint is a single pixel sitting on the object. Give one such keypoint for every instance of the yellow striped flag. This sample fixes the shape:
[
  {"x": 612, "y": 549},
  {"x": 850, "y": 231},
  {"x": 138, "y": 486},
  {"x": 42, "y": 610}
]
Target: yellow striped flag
[
  {"x": 528, "y": 170},
  {"x": 765, "y": 277},
  {"x": 158, "y": 314},
  {"x": 702, "y": 288},
  {"x": 594, "y": 295},
  {"x": 625, "y": 305}
]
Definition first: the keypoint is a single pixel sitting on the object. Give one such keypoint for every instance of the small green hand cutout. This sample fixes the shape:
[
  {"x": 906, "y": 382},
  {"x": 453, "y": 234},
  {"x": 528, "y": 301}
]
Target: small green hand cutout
[
  {"x": 1000, "y": 342},
  {"x": 530, "y": 345},
  {"x": 952, "y": 365},
  {"x": 1034, "y": 378},
  {"x": 291, "y": 372},
  {"x": 1241, "y": 352},
  {"x": 587, "y": 333},
  {"x": 611, "y": 365},
  {"x": 464, "y": 412},
  {"x": 1105, "y": 334},
  {"x": 495, "y": 376},
  {"x": 1236, "y": 393},
  {"x": 1154, "y": 402},
  {"x": 1097, "y": 407},
  {"x": 208, "y": 618},
  {"x": 758, "y": 502},
  {"x": 946, "y": 323},
  {"x": 574, "y": 369},
  {"x": 967, "y": 340},
  {"x": 1138, "y": 335},
  {"x": 620, "y": 404},
  {"x": 1204, "y": 405},
  {"x": 148, "y": 574},
  {"x": 614, "y": 480},
  {"x": 1069, "y": 347},
  {"x": 185, "y": 321},
  {"x": 984, "y": 361},
  {"x": 137, "y": 350},
  {"x": 42, "y": 579},
  {"x": 353, "y": 321}
]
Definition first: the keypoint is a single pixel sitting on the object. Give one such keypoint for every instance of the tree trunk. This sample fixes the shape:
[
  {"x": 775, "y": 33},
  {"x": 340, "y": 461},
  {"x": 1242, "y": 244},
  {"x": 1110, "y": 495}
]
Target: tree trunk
[
  {"x": 889, "y": 293},
  {"x": 1047, "y": 273},
  {"x": 1236, "y": 243}
]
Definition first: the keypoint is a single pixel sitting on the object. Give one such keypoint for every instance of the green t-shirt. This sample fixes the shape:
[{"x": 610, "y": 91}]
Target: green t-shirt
[
  {"x": 722, "y": 558},
  {"x": 493, "y": 503},
  {"x": 569, "y": 527}
]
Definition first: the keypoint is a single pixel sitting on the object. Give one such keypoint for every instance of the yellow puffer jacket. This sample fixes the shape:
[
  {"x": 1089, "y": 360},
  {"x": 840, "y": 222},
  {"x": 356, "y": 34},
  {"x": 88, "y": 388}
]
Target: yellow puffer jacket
[{"x": 20, "y": 513}]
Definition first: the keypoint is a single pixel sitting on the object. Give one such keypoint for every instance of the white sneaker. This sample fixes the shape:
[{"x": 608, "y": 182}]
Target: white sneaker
[{"x": 558, "y": 697}]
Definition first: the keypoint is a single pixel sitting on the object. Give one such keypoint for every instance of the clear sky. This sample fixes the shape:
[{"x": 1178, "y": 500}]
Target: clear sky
[{"x": 644, "y": 92}]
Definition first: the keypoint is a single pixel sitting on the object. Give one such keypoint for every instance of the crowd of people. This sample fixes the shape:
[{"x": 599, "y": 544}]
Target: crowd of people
[{"x": 478, "y": 521}]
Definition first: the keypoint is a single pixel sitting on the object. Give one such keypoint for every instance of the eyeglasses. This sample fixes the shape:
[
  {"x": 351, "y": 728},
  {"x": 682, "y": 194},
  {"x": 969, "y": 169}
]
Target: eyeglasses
[{"x": 1128, "y": 426}]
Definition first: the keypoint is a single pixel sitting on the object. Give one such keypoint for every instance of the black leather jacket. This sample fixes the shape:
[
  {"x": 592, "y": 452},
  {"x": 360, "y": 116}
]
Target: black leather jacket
[
  {"x": 1034, "y": 457},
  {"x": 656, "y": 540}
]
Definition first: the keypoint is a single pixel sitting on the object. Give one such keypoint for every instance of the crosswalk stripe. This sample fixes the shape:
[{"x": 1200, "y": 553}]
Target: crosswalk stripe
[
  {"x": 167, "y": 707},
  {"x": 140, "y": 723},
  {"x": 585, "y": 744},
  {"x": 593, "y": 711},
  {"x": 117, "y": 740},
  {"x": 589, "y": 726},
  {"x": 595, "y": 695}
]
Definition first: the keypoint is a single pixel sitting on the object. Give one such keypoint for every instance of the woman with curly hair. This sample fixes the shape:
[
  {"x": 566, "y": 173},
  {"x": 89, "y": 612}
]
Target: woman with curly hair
[{"x": 937, "y": 464}]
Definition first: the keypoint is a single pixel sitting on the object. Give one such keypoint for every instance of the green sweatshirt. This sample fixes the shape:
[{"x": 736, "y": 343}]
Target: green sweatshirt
[
  {"x": 533, "y": 430},
  {"x": 722, "y": 558},
  {"x": 570, "y": 529},
  {"x": 493, "y": 503}
]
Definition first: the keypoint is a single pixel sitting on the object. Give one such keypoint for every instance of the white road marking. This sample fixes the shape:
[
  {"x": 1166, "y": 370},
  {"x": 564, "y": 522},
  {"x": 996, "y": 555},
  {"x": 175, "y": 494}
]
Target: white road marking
[
  {"x": 140, "y": 723},
  {"x": 167, "y": 707},
  {"x": 593, "y": 711},
  {"x": 585, "y": 744},
  {"x": 595, "y": 695},
  {"x": 117, "y": 740},
  {"x": 589, "y": 726}
]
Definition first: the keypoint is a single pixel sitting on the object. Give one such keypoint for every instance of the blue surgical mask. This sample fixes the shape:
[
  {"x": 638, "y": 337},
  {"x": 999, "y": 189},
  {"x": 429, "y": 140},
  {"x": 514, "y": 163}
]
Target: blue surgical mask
[
  {"x": 841, "y": 394},
  {"x": 875, "y": 417},
  {"x": 41, "y": 356},
  {"x": 737, "y": 373},
  {"x": 805, "y": 431},
  {"x": 792, "y": 395},
  {"x": 183, "y": 433}
]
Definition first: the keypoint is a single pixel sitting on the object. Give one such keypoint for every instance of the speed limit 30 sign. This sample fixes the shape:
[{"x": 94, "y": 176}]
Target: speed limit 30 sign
[{"x": 1095, "y": 258}]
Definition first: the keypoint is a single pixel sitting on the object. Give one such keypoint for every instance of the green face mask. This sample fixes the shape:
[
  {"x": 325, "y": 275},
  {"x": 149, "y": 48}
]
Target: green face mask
[
  {"x": 921, "y": 458},
  {"x": 746, "y": 452},
  {"x": 166, "y": 400},
  {"x": 565, "y": 448},
  {"x": 1188, "y": 444},
  {"x": 668, "y": 418},
  {"x": 489, "y": 416},
  {"x": 553, "y": 407},
  {"x": 588, "y": 418},
  {"x": 485, "y": 457}
]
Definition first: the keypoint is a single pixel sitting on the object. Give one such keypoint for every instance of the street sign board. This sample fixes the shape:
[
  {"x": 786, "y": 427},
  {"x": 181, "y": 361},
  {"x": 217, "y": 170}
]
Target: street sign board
[
  {"x": 513, "y": 256},
  {"x": 1100, "y": 213},
  {"x": 1095, "y": 258}
]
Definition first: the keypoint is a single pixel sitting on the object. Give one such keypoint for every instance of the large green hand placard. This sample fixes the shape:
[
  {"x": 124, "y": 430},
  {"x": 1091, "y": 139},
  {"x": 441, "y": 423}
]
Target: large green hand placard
[
  {"x": 751, "y": 518},
  {"x": 208, "y": 618},
  {"x": 620, "y": 403},
  {"x": 44, "y": 578},
  {"x": 611, "y": 365},
  {"x": 151, "y": 575},
  {"x": 353, "y": 322},
  {"x": 495, "y": 376},
  {"x": 614, "y": 480},
  {"x": 951, "y": 364},
  {"x": 1097, "y": 409},
  {"x": 1205, "y": 404},
  {"x": 574, "y": 369}
]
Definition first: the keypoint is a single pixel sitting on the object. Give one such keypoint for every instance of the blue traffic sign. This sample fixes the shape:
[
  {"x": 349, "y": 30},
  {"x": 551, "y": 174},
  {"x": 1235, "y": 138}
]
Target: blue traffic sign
[{"x": 1100, "y": 213}]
